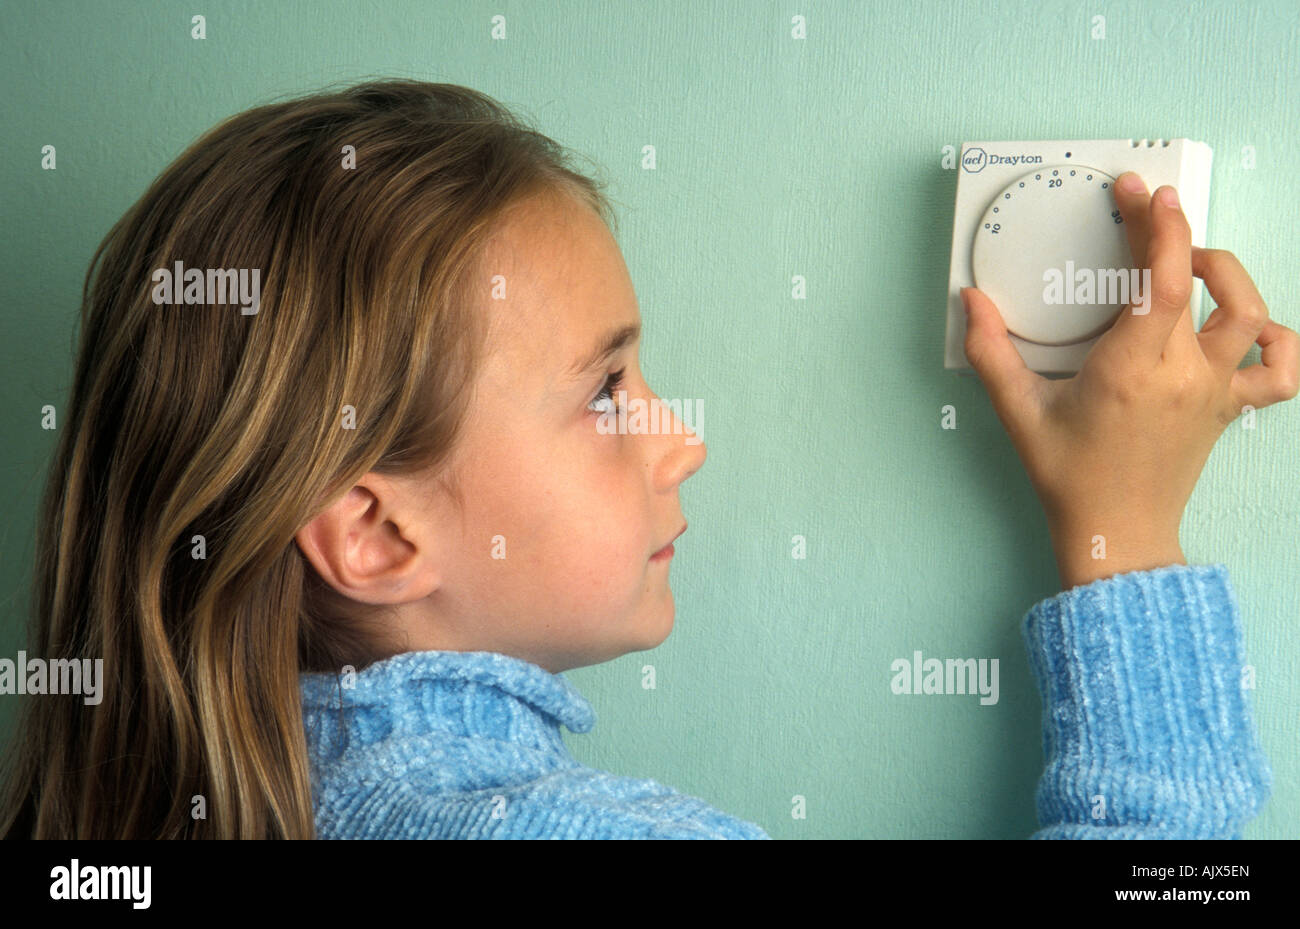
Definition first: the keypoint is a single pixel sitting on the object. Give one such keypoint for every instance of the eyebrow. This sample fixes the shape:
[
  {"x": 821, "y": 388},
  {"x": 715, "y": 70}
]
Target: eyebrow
[{"x": 612, "y": 342}]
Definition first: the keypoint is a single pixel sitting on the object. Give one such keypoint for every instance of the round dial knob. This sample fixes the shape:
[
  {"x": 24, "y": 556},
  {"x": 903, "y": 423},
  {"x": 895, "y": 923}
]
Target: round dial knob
[{"x": 1032, "y": 244}]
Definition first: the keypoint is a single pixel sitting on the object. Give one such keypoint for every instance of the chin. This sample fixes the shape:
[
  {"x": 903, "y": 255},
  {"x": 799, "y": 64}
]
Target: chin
[
  {"x": 664, "y": 626},
  {"x": 652, "y": 630}
]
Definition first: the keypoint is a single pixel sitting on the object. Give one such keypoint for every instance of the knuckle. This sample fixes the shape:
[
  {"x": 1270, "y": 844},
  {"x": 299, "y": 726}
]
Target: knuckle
[
  {"x": 1290, "y": 385},
  {"x": 1125, "y": 391},
  {"x": 1212, "y": 259},
  {"x": 1172, "y": 291},
  {"x": 1186, "y": 391},
  {"x": 1216, "y": 262},
  {"x": 1253, "y": 316}
]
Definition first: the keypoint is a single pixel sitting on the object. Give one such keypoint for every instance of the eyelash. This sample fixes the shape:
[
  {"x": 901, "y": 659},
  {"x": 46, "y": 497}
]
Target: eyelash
[{"x": 612, "y": 384}]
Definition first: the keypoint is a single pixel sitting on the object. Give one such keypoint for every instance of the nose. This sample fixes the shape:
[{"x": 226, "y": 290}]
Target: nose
[{"x": 682, "y": 452}]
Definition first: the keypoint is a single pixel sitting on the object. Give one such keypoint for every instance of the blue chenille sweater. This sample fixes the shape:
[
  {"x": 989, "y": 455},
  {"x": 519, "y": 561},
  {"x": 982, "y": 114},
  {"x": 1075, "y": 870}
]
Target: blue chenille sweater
[{"x": 1147, "y": 732}]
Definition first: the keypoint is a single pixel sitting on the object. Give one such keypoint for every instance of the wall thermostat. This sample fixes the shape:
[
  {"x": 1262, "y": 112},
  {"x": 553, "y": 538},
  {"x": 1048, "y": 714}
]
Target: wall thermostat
[{"x": 1036, "y": 228}]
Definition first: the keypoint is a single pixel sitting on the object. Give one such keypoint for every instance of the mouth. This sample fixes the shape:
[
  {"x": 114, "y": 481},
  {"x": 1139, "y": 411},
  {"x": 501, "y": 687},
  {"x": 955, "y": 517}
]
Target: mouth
[{"x": 667, "y": 551}]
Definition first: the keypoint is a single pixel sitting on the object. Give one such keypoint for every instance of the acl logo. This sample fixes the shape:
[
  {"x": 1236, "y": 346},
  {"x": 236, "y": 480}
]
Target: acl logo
[{"x": 974, "y": 160}]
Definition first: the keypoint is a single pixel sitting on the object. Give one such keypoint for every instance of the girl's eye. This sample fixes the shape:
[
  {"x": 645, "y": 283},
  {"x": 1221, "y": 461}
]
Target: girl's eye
[{"x": 603, "y": 402}]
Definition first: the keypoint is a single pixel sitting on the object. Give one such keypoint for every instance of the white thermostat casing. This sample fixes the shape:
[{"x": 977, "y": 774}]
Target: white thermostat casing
[{"x": 1036, "y": 228}]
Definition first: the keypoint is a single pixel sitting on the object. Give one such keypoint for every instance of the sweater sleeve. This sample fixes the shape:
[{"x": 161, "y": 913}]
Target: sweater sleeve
[{"x": 1147, "y": 726}]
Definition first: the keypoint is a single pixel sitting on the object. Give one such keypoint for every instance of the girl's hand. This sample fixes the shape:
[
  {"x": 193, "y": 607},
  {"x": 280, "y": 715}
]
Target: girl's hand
[{"x": 1115, "y": 450}]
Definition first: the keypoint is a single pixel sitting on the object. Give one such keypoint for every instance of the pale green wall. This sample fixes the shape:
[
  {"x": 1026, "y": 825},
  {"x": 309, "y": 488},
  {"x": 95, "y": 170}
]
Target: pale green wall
[{"x": 776, "y": 157}]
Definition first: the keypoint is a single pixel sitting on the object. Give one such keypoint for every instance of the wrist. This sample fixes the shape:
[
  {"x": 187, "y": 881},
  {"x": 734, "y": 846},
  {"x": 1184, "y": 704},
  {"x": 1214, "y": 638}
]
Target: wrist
[{"x": 1085, "y": 555}]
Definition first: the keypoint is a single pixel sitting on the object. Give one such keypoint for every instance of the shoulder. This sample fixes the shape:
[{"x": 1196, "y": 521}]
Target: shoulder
[
  {"x": 595, "y": 804},
  {"x": 571, "y": 803}
]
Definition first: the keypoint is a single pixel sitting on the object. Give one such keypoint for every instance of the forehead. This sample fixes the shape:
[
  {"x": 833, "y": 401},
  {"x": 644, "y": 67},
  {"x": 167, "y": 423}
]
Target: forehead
[{"x": 565, "y": 284}]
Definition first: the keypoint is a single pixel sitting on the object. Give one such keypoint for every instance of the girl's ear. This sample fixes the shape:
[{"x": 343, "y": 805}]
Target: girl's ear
[{"x": 367, "y": 547}]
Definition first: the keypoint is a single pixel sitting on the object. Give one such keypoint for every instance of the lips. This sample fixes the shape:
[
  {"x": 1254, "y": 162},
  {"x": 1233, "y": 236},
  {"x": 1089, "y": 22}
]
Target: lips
[{"x": 667, "y": 550}]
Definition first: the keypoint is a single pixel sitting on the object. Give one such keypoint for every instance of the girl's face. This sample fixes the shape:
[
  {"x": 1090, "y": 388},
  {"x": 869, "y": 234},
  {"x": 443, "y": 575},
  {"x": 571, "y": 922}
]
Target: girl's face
[{"x": 576, "y": 513}]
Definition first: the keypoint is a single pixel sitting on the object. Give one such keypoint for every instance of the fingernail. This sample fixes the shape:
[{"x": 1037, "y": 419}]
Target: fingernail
[
  {"x": 1168, "y": 196},
  {"x": 1130, "y": 183},
  {"x": 965, "y": 304}
]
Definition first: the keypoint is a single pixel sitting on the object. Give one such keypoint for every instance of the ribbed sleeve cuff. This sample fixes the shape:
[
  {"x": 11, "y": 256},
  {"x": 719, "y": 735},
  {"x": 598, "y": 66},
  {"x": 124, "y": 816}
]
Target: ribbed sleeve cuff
[{"x": 1147, "y": 727}]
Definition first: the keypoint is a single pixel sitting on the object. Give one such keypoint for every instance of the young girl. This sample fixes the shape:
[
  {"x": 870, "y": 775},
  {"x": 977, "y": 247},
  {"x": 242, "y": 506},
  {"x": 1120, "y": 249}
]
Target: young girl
[{"x": 336, "y": 540}]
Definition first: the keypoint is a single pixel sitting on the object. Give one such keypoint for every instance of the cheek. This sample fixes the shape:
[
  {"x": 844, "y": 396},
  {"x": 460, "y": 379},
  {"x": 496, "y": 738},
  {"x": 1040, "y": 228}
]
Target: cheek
[
  {"x": 575, "y": 519},
  {"x": 598, "y": 535},
  {"x": 594, "y": 524}
]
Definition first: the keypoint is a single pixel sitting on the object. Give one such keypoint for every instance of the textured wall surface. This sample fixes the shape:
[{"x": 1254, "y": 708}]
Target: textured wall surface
[{"x": 775, "y": 157}]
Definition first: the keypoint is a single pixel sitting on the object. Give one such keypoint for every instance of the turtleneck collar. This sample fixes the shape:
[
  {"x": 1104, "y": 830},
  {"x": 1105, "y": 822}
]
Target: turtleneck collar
[{"x": 453, "y": 693}]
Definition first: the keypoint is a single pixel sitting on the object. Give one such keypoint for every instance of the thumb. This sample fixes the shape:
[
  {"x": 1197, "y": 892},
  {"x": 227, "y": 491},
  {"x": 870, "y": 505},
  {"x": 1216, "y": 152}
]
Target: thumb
[{"x": 1009, "y": 382}]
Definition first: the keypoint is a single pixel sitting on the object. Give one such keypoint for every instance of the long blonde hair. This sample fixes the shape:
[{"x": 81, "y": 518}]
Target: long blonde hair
[{"x": 189, "y": 421}]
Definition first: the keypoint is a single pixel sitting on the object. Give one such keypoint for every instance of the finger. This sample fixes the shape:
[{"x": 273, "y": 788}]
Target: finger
[
  {"x": 1241, "y": 313},
  {"x": 1146, "y": 325},
  {"x": 1134, "y": 203},
  {"x": 1182, "y": 346},
  {"x": 1135, "y": 209},
  {"x": 1276, "y": 377},
  {"x": 1010, "y": 384}
]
